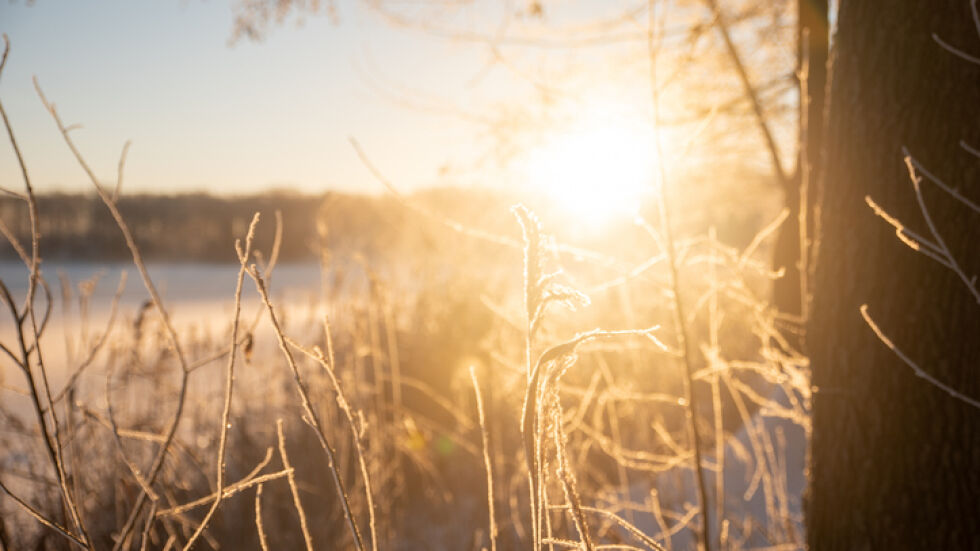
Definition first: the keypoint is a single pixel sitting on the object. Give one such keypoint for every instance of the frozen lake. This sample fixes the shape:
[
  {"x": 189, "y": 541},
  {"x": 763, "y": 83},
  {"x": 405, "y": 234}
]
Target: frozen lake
[
  {"x": 177, "y": 283},
  {"x": 198, "y": 297}
]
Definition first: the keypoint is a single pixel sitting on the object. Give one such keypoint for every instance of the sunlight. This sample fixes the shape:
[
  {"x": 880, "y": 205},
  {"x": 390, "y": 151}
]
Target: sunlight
[{"x": 598, "y": 169}]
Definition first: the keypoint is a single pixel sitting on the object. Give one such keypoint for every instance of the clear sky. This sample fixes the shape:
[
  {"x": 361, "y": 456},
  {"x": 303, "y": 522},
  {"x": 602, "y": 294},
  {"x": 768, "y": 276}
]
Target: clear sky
[{"x": 207, "y": 115}]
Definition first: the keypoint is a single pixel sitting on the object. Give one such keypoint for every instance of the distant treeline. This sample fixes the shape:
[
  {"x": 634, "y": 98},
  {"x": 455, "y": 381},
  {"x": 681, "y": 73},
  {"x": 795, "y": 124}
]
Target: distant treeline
[
  {"x": 384, "y": 230},
  {"x": 200, "y": 227},
  {"x": 192, "y": 227}
]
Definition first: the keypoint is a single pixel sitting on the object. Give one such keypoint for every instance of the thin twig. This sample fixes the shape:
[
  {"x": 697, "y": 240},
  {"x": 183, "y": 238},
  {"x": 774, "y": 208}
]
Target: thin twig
[
  {"x": 633, "y": 530},
  {"x": 249, "y": 480},
  {"x": 297, "y": 502},
  {"x": 119, "y": 172},
  {"x": 243, "y": 256},
  {"x": 259, "y": 527},
  {"x": 328, "y": 365},
  {"x": 42, "y": 519},
  {"x": 721, "y": 24},
  {"x": 51, "y": 435},
  {"x": 919, "y": 372},
  {"x": 484, "y": 431},
  {"x": 157, "y": 463},
  {"x": 311, "y": 417}
]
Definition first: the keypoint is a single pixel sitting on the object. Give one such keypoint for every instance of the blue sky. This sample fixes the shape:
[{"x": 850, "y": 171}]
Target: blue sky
[{"x": 204, "y": 115}]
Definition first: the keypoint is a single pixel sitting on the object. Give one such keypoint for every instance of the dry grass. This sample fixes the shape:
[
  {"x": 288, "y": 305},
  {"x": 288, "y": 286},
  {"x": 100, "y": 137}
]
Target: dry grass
[{"x": 635, "y": 436}]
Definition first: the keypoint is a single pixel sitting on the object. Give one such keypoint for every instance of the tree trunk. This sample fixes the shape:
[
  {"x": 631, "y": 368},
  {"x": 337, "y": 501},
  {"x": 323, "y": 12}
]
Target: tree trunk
[
  {"x": 787, "y": 290},
  {"x": 895, "y": 461}
]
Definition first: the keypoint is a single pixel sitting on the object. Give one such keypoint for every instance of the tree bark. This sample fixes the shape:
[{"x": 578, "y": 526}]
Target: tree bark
[{"x": 895, "y": 461}]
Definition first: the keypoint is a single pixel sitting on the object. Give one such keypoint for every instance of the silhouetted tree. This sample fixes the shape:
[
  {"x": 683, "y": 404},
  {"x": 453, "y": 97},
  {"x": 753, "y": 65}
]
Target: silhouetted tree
[{"x": 895, "y": 460}]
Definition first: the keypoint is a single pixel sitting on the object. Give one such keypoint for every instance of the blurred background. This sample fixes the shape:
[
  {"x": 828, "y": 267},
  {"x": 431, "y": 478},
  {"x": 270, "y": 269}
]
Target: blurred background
[{"x": 385, "y": 143}]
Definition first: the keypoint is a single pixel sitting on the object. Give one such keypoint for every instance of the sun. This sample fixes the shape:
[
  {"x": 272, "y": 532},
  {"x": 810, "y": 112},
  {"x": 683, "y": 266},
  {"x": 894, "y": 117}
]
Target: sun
[{"x": 598, "y": 168}]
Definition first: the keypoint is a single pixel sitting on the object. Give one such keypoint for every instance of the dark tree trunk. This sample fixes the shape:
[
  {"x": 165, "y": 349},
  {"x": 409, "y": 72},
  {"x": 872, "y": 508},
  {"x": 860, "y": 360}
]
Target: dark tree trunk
[
  {"x": 895, "y": 462},
  {"x": 787, "y": 291}
]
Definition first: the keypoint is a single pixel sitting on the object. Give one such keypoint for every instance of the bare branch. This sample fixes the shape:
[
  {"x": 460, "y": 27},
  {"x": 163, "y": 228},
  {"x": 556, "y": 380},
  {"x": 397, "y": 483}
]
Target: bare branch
[{"x": 919, "y": 372}]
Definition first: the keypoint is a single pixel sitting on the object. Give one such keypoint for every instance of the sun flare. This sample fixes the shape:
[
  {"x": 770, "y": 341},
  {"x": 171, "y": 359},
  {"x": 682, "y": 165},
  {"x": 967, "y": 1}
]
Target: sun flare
[{"x": 599, "y": 168}]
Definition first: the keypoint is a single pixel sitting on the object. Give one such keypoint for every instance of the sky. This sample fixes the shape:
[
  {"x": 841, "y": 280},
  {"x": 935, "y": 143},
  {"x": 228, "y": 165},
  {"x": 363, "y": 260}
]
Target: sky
[{"x": 207, "y": 115}]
